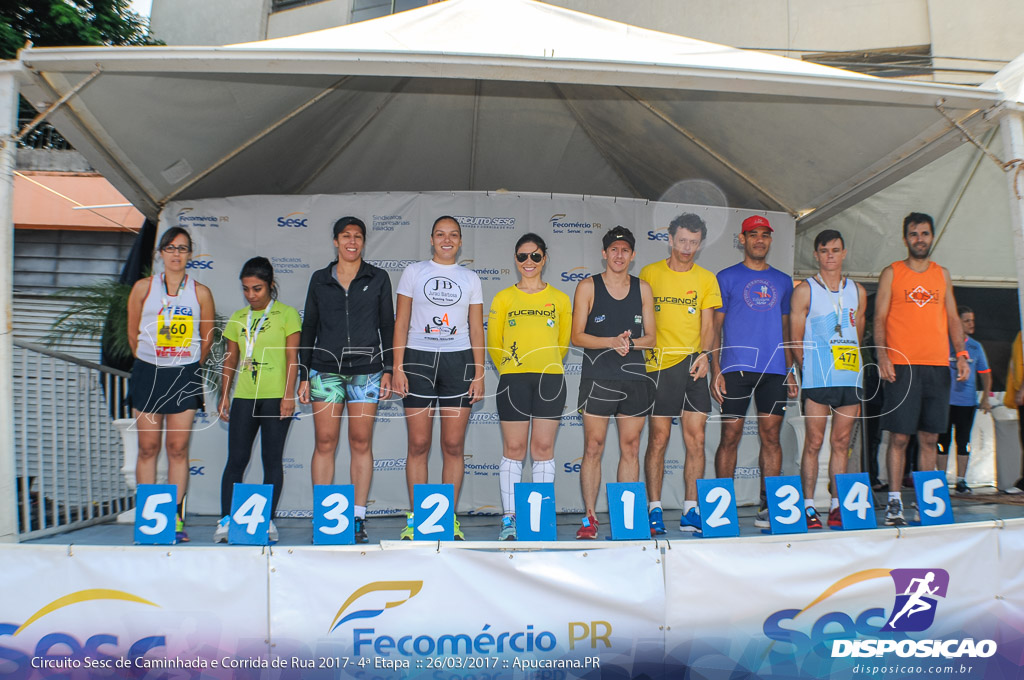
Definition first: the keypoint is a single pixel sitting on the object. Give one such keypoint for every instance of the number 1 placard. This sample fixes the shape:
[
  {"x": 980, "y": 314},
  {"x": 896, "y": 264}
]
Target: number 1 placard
[
  {"x": 535, "y": 511},
  {"x": 434, "y": 512},
  {"x": 627, "y": 511}
]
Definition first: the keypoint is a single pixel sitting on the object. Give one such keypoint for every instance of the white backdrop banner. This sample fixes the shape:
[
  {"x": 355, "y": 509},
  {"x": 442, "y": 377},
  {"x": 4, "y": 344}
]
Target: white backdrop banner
[{"x": 294, "y": 232}]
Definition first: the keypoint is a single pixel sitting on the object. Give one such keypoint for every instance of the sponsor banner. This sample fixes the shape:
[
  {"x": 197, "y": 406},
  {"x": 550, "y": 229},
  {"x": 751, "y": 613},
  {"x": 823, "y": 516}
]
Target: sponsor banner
[
  {"x": 95, "y": 612},
  {"x": 890, "y": 604},
  {"x": 295, "y": 233},
  {"x": 423, "y": 612}
]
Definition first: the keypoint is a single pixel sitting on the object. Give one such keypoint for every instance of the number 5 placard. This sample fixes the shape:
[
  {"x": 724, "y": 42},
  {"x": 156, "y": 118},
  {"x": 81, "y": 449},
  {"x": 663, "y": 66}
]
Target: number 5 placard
[{"x": 154, "y": 519}]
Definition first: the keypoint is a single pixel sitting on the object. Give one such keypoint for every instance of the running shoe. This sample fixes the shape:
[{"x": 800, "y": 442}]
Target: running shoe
[
  {"x": 835, "y": 518},
  {"x": 589, "y": 528},
  {"x": 813, "y": 520},
  {"x": 179, "y": 530},
  {"x": 690, "y": 523},
  {"x": 961, "y": 486},
  {"x": 508, "y": 528},
  {"x": 459, "y": 536},
  {"x": 360, "y": 530},
  {"x": 657, "y": 522},
  {"x": 220, "y": 534},
  {"x": 272, "y": 535},
  {"x": 894, "y": 514},
  {"x": 761, "y": 520},
  {"x": 408, "y": 531}
]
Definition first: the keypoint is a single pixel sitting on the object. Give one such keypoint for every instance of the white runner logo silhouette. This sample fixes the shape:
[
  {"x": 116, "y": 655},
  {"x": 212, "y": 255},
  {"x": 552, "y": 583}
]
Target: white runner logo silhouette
[{"x": 917, "y": 589}]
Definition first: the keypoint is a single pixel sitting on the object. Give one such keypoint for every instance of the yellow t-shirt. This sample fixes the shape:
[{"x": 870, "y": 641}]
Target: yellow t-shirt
[
  {"x": 529, "y": 332},
  {"x": 679, "y": 298},
  {"x": 1014, "y": 375}
]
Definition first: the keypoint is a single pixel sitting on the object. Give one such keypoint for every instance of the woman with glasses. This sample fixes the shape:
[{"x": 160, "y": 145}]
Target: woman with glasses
[
  {"x": 528, "y": 337},
  {"x": 262, "y": 342},
  {"x": 170, "y": 331}
]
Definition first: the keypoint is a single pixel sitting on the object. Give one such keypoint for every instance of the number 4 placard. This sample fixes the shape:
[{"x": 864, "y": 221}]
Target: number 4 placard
[
  {"x": 856, "y": 503},
  {"x": 333, "y": 522},
  {"x": 250, "y": 514},
  {"x": 155, "y": 515},
  {"x": 933, "y": 497},
  {"x": 627, "y": 511},
  {"x": 535, "y": 511},
  {"x": 434, "y": 512},
  {"x": 717, "y": 499}
]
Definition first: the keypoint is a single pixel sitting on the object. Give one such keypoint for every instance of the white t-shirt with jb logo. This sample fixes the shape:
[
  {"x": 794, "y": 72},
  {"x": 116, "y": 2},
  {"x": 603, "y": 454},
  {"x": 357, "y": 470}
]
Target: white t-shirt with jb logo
[{"x": 441, "y": 295}]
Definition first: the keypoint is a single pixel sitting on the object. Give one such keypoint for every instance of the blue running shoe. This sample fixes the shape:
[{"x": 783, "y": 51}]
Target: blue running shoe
[
  {"x": 657, "y": 522},
  {"x": 690, "y": 523}
]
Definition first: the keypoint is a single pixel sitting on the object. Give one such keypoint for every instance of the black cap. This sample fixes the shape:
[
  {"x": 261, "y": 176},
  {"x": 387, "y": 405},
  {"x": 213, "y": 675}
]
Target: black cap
[{"x": 619, "y": 234}]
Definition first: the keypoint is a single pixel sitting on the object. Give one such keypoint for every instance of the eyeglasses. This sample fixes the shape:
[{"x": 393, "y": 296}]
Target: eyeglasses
[
  {"x": 177, "y": 249},
  {"x": 536, "y": 256}
]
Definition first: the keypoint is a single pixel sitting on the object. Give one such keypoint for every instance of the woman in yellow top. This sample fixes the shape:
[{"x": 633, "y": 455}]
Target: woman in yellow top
[
  {"x": 527, "y": 337},
  {"x": 1014, "y": 397}
]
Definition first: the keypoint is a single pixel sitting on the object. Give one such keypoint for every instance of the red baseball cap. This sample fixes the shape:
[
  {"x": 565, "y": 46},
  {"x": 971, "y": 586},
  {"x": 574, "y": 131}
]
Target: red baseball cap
[{"x": 755, "y": 221}]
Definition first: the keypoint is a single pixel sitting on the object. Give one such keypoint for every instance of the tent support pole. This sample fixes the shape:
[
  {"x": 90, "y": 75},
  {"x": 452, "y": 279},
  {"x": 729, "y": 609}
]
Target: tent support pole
[
  {"x": 252, "y": 140},
  {"x": 597, "y": 145},
  {"x": 961, "y": 189},
  {"x": 1012, "y": 128},
  {"x": 660, "y": 115},
  {"x": 8, "y": 151},
  {"x": 473, "y": 136}
]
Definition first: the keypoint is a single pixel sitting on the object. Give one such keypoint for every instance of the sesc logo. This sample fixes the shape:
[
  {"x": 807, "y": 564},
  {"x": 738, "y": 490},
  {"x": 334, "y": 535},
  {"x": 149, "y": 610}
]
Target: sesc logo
[
  {"x": 481, "y": 222},
  {"x": 658, "y": 235},
  {"x": 295, "y": 219},
  {"x": 575, "y": 274},
  {"x": 203, "y": 261},
  {"x": 196, "y": 467}
]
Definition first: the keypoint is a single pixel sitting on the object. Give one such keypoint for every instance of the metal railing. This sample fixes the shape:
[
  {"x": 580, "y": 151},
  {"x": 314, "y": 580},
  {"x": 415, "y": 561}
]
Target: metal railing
[{"x": 68, "y": 454}]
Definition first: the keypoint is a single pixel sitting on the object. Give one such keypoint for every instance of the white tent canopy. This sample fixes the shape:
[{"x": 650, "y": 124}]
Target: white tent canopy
[{"x": 491, "y": 94}]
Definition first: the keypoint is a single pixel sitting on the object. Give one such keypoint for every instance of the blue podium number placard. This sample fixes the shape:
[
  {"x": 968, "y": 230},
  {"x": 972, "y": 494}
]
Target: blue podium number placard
[
  {"x": 856, "y": 505},
  {"x": 717, "y": 501},
  {"x": 250, "y": 514},
  {"x": 933, "y": 497},
  {"x": 535, "y": 511},
  {"x": 155, "y": 513},
  {"x": 333, "y": 519},
  {"x": 434, "y": 512},
  {"x": 627, "y": 511},
  {"x": 785, "y": 505}
]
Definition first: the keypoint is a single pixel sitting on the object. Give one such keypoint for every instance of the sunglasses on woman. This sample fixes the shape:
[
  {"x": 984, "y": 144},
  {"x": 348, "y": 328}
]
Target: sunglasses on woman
[{"x": 536, "y": 256}]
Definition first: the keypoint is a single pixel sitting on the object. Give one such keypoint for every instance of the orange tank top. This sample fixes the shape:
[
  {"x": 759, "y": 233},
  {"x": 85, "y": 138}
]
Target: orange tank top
[{"x": 917, "y": 329}]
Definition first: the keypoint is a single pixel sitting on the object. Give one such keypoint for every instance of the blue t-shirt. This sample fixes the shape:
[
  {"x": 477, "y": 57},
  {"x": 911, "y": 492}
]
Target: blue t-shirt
[
  {"x": 754, "y": 303},
  {"x": 966, "y": 393}
]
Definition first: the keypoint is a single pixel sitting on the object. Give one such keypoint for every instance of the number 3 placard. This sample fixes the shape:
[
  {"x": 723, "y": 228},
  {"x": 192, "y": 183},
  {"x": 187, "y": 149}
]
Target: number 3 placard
[
  {"x": 333, "y": 522},
  {"x": 434, "y": 512},
  {"x": 785, "y": 505}
]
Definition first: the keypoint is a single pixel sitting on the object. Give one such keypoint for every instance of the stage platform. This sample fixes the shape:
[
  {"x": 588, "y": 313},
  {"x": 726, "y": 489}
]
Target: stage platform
[
  {"x": 755, "y": 606},
  {"x": 981, "y": 506}
]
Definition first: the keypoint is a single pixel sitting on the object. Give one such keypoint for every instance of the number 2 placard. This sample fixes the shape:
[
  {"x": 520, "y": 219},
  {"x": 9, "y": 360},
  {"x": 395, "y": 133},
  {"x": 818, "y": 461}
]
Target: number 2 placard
[{"x": 434, "y": 512}]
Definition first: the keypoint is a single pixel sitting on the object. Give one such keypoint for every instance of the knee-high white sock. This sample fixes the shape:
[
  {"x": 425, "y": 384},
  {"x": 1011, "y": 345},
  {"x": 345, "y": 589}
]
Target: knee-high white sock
[
  {"x": 509, "y": 473},
  {"x": 543, "y": 471}
]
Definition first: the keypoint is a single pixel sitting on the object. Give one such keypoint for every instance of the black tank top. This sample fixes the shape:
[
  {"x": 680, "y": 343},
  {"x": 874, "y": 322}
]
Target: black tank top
[{"x": 610, "y": 317}]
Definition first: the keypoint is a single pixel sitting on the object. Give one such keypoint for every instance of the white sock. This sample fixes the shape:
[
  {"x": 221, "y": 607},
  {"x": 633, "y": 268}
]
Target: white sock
[
  {"x": 652, "y": 505},
  {"x": 360, "y": 511},
  {"x": 808, "y": 503},
  {"x": 510, "y": 472},
  {"x": 543, "y": 471},
  {"x": 833, "y": 504},
  {"x": 895, "y": 496},
  {"x": 690, "y": 505}
]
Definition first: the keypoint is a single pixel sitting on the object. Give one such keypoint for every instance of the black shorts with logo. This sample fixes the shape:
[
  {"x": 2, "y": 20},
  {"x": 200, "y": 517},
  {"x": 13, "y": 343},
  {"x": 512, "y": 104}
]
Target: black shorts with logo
[
  {"x": 833, "y": 397},
  {"x": 615, "y": 397},
  {"x": 917, "y": 401},
  {"x": 767, "y": 389},
  {"x": 441, "y": 378},
  {"x": 522, "y": 396},
  {"x": 676, "y": 391}
]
